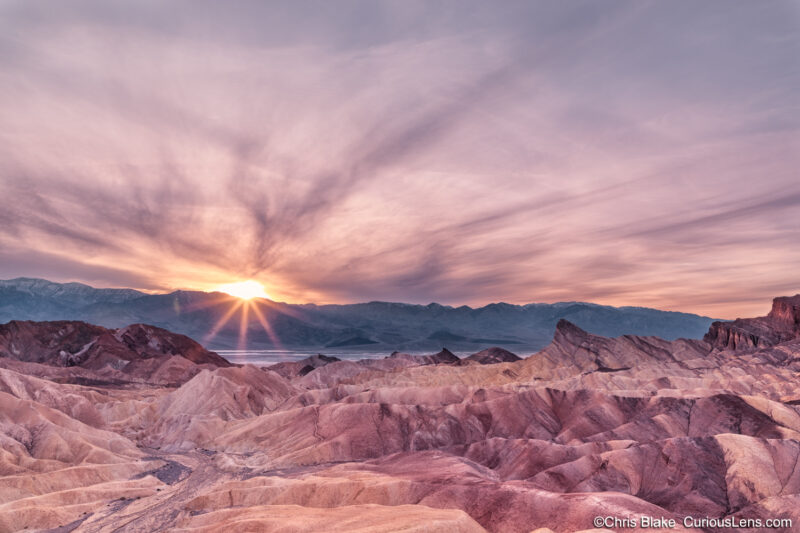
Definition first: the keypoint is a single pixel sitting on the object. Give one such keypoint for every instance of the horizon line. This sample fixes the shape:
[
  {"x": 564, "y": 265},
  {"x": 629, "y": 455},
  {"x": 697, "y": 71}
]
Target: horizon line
[{"x": 166, "y": 292}]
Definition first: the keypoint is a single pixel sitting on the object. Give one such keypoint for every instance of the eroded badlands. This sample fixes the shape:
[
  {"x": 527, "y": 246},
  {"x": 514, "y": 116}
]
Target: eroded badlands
[{"x": 139, "y": 429}]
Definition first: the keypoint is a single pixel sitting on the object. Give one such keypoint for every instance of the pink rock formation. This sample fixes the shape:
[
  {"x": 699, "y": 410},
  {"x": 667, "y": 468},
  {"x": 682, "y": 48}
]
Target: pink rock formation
[{"x": 590, "y": 426}]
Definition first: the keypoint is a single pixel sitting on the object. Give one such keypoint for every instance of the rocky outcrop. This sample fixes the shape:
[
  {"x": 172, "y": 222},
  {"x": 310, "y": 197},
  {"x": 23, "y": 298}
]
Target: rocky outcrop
[
  {"x": 578, "y": 349},
  {"x": 60, "y": 343},
  {"x": 444, "y": 356},
  {"x": 780, "y": 325},
  {"x": 494, "y": 355},
  {"x": 150, "y": 341},
  {"x": 786, "y": 313},
  {"x": 135, "y": 352}
]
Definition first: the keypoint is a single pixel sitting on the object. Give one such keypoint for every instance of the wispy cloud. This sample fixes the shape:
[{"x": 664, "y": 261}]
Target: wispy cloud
[{"x": 640, "y": 153}]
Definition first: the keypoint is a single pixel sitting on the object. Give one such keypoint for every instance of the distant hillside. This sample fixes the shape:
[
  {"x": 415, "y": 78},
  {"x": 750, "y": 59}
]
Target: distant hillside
[{"x": 376, "y": 326}]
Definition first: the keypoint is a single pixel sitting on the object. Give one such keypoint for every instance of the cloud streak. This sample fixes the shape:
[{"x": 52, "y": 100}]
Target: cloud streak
[{"x": 638, "y": 154}]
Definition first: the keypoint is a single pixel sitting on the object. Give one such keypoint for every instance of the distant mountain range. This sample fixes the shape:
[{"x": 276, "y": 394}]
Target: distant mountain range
[{"x": 376, "y": 326}]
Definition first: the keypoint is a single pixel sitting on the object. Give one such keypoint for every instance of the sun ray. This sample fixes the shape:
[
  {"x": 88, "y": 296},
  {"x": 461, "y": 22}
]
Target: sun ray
[
  {"x": 243, "y": 325},
  {"x": 265, "y": 324},
  {"x": 222, "y": 321}
]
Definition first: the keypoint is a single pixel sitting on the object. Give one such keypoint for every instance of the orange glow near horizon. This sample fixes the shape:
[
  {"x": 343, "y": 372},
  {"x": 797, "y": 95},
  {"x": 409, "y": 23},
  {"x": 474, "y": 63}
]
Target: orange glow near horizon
[{"x": 244, "y": 290}]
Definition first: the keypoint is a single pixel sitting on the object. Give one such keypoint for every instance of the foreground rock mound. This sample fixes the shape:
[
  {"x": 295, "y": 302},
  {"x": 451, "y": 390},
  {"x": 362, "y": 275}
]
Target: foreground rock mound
[
  {"x": 589, "y": 426},
  {"x": 136, "y": 352}
]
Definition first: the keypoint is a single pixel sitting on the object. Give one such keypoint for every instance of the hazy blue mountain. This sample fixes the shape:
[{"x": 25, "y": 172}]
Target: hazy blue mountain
[{"x": 373, "y": 326}]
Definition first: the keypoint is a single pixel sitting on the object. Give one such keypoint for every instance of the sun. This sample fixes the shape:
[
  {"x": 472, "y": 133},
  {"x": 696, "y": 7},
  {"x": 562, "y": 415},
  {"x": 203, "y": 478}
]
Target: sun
[
  {"x": 250, "y": 298},
  {"x": 246, "y": 290}
]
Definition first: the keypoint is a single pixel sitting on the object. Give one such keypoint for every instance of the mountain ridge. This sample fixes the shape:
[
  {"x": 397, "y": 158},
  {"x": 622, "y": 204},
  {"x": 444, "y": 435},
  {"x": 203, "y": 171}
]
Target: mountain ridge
[{"x": 382, "y": 326}]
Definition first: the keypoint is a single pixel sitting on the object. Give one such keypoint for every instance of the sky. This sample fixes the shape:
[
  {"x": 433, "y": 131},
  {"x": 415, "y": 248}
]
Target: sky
[{"x": 463, "y": 152}]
